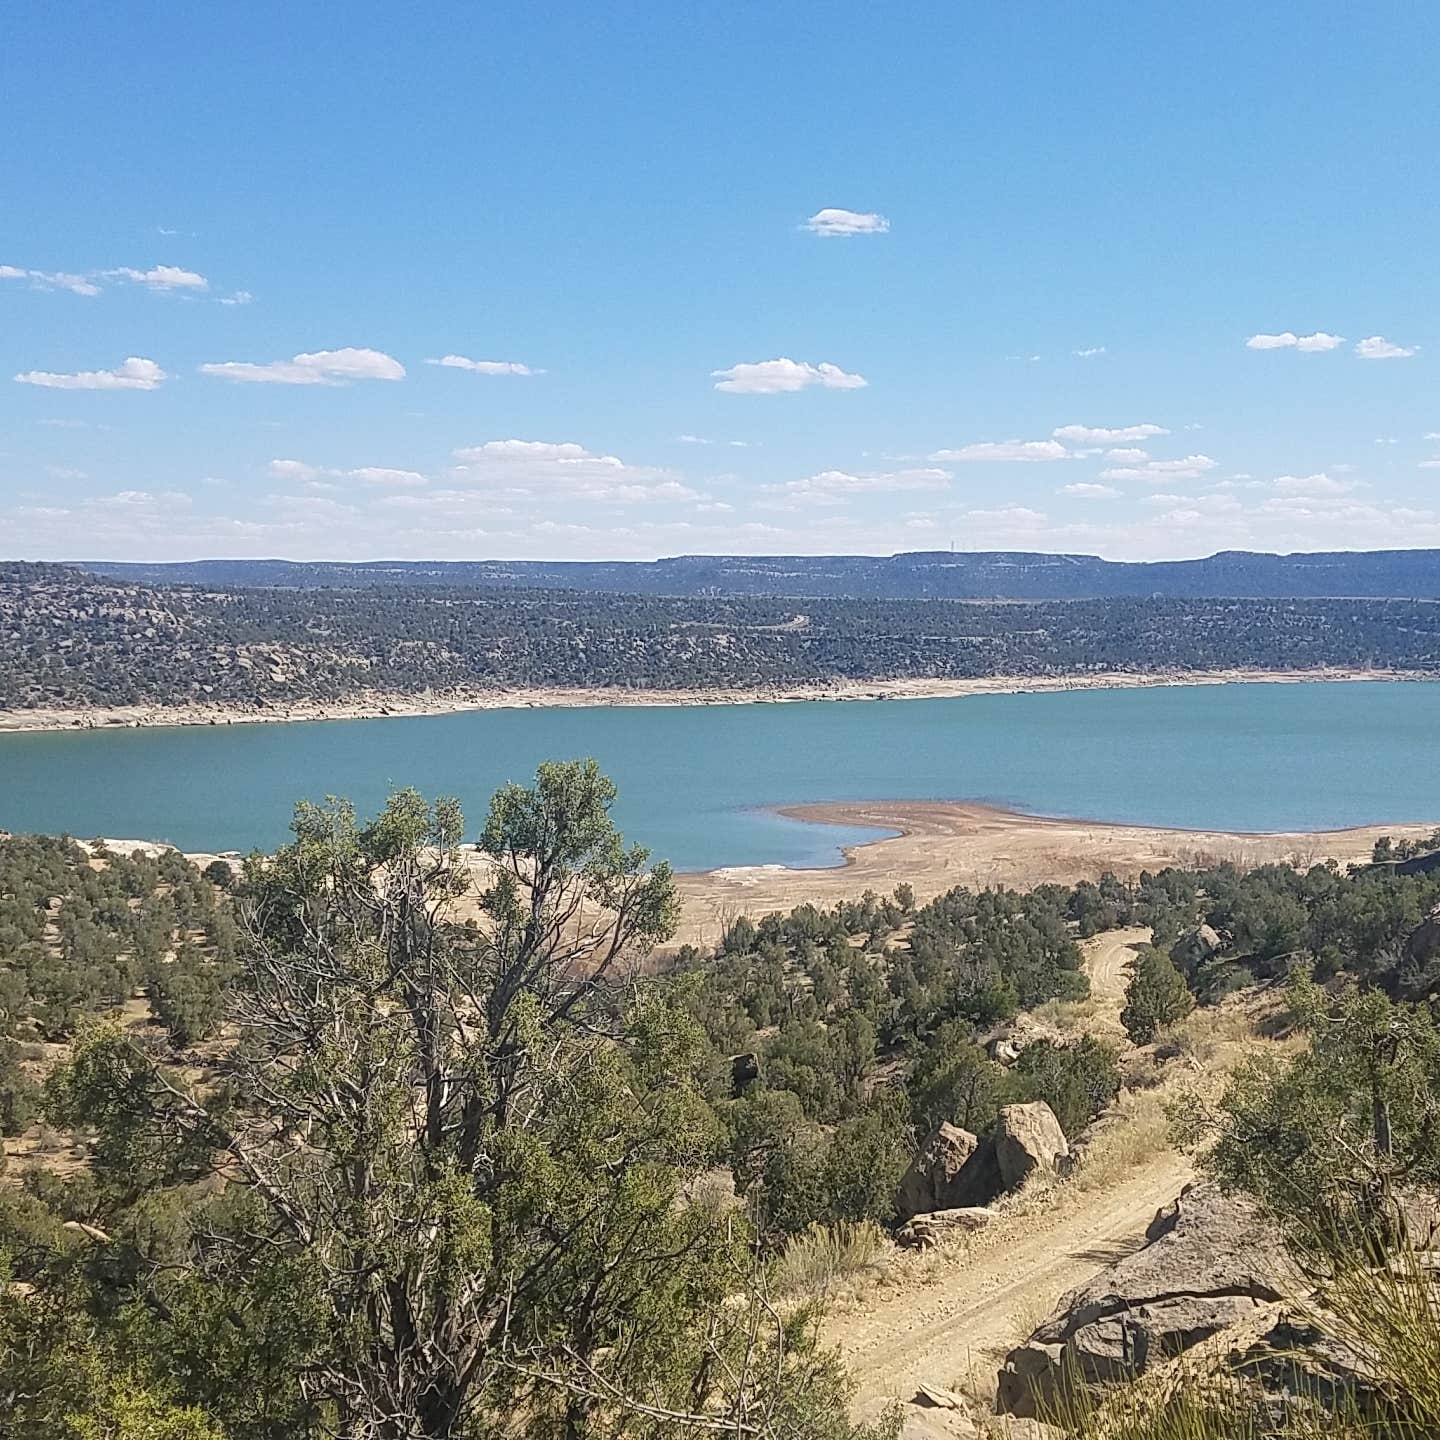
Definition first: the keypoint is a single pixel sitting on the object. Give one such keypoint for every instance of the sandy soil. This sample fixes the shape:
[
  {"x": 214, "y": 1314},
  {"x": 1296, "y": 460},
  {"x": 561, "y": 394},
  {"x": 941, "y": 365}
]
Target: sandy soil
[
  {"x": 942, "y": 844},
  {"x": 950, "y": 1325},
  {"x": 373, "y": 706}
]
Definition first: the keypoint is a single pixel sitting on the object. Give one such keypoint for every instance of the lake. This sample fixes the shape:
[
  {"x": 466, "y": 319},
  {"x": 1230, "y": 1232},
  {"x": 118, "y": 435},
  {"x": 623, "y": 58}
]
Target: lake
[{"x": 698, "y": 783}]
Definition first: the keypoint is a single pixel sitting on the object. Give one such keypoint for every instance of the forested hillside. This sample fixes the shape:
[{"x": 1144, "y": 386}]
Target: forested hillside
[
  {"x": 979, "y": 575},
  {"x": 388, "y": 1086},
  {"x": 74, "y": 640}
]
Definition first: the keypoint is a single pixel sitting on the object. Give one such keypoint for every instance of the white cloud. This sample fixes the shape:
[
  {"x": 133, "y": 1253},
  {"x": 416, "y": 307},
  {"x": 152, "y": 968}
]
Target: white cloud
[
  {"x": 1189, "y": 467},
  {"x": 1377, "y": 347},
  {"x": 1288, "y": 340},
  {"x": 1100, "y": 435},
  {"x": 1314, "y": 485},
  {"x": 829, "y": 487},
  {"x": 51, "y": 280},
  {"x": 1004, "y": 450},
  {"x": 1019, "y": 516},
  {"x": 322, "y": 367},
  {"x": 1127, "y": 453},
  {"x": 319, "y": 476},
  {"x": 484, "y": 367},
  {"x": 1430, "y": 464},
  {"x": 1089, "y": 352},
  {"x": 135, "y": 373},
  {"x": 549, "y": 469},
  {"x": 239, "y": 297},
  {"x": 783, "y": 377},
  {"x": 1085, "y": 491},
  {"x": 846, "y": 222},
  {"x": 161, "y": 277}
]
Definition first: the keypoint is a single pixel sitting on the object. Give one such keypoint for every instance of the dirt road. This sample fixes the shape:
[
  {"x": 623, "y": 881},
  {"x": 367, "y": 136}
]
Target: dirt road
[
  {"x": 950, "y": 1325},
  {"x": 957, "y": 1329}
]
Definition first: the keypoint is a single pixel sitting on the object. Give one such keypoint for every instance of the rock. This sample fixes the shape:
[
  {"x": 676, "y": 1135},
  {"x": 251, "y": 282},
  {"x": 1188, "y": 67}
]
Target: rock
[
  {"x": 1003, "y": 1050},
  {"x": 1195, "y": 947},
  {"x": 953, "y": 1168},
  {"x": 926, "y": 1230},
  {"x": 937, "y": 1399},
  {"x": 1028, "y": 1140},
  {"x": 744, "y": 1071},
  {"x": 1423, "y": 946},
  {"x": 1209, "y": 1261}
]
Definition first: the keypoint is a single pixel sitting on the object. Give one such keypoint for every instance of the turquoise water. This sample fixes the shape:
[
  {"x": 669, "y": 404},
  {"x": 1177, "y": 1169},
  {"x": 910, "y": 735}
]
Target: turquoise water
[{"x": 697, "y": 783}]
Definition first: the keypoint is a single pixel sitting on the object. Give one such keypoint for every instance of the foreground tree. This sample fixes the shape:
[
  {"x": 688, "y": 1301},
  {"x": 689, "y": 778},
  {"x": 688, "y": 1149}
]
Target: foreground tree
[
  {"x": 456, "y": 1135},
  {"x": 1155, "y": 997}
]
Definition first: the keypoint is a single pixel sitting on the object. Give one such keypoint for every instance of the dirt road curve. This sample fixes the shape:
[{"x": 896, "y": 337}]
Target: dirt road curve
[
  {"x": 1107, "y": 958},
  {"x": 963, "y": 1324},
  {"x": 959, "y": 1327}
]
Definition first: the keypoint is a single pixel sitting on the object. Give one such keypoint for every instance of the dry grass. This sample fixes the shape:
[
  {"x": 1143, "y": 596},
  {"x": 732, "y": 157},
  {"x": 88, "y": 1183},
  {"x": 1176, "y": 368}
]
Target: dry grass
[
  {"x": 1069, "y": 1016},
  {"x": 1139, "y": 1135},
  {"x": 831, "y": 1259}
]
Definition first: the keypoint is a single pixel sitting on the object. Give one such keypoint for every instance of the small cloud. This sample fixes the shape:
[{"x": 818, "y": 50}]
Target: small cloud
[
  {"x": 135, "y": 373},
  {"x": 829, "y": 486},
  {"x": 1288, "y": 340},
  {"x": 240, "y": 297},
  {"x": 160, "y": 277},
  {"x": 51, "y": 280},
  {"x": 1089, "y": 352},
  {"x": 1086, "y": 491},
  {"x": 1314, "y": 485},
  {"x": 1100, "y": 435},
  {"x": 1377, "y": 347},
  {"x": 317, "y": 476},
  {"x": 1128, "y": 453},
  {"x": 484, "y": 367},
  {"x": 694, "y": 440},
  {"x": 1190, "y": 467},
  {"x": 321, "y": 367},
  {"x": 784, "y": 377},
  {"x": 1430, "y": 464},
  {"x": 1004, "y": 450},
  {"x": 846, "y": 222}
]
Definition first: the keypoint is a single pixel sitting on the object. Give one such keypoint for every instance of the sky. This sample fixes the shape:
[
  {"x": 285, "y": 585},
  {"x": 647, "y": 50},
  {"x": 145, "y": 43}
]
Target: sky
[{"x": 563, "y": 281}]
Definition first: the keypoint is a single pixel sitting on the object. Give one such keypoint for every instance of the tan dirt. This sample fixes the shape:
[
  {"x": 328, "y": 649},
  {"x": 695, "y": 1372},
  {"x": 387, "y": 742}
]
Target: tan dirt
[
  {"x": 374, "y": 705},
  {"x": 942, "y": 844},
  {"x": 948, "y": 1319}
]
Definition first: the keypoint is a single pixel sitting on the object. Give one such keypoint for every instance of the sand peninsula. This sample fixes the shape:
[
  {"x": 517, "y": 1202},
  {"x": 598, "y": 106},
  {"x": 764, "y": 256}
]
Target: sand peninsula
[{"x": 373, "y": 706}]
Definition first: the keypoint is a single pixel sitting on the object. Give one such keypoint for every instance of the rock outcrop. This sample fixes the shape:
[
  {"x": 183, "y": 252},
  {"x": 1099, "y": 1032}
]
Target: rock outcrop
[
  {"x": 1028, "y": 1140},
  {"x": 1208, "y": 1262},
  {"x": 929, "y": 1229},
  {"x": 1195, "y": 947},
  {"x": 953, "y": 1169}
]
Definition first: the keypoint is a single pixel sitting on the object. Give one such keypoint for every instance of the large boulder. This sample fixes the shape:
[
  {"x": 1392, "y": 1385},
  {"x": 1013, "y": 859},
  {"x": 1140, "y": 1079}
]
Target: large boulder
[
  {"x": 1028, "y": 1141},
  {"x": 953, "y": 1169},
  {"x": 1195, "y": 947},
  {"x": 1209, "y": 1261}
]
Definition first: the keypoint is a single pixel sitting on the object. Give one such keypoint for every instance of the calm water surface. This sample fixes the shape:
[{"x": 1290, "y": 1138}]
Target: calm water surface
[{"x": 696, "y": 783}]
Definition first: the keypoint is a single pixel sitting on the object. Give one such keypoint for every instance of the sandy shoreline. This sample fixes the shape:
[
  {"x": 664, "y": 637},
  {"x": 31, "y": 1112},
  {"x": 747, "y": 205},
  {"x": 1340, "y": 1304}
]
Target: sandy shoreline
[
  {"x": 377, "y": 706},
  {"x": 940, "y": 844}
]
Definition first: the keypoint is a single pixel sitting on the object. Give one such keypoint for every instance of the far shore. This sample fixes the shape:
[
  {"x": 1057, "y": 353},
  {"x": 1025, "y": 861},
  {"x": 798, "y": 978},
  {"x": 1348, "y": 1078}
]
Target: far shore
[
  {"x": 373, "y": 706},
  {"x": 935, "y": 845},
  {"x": 938, "y": 844}
]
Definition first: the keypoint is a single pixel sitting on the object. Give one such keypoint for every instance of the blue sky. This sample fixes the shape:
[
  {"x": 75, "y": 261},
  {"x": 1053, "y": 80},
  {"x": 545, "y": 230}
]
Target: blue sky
[{"x": 1130, "y": 279}]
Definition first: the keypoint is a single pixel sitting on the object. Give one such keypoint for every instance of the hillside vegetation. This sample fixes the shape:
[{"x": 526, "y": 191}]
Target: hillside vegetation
[
  {"x": 411, "y": 1147},
  {"x": 72, "y": 640}
]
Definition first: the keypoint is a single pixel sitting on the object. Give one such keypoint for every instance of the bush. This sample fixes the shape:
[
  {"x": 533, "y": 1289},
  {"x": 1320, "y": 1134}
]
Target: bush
[
  {"x": 1156, "y": 995},
  {"x": 1076, "y": 1081}
]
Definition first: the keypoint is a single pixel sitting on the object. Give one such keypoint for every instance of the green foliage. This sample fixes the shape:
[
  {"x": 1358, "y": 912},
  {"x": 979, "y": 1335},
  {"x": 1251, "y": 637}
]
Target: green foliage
[
  {"x": 1323, "y": 1140},
  {"x": 1076, "y": 1080},
  {"x": 1155, "y": 997},
  {"x": 77, "y": 640}
]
